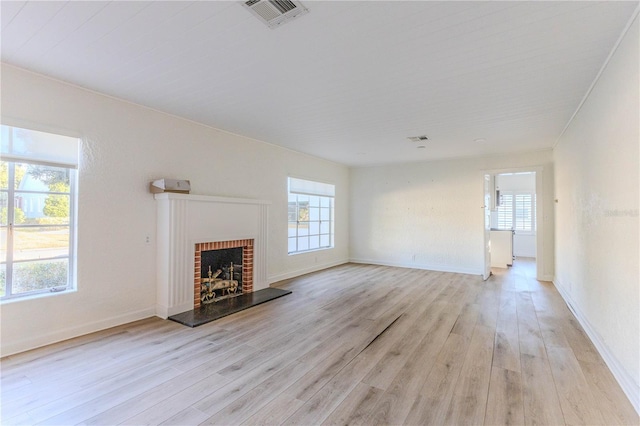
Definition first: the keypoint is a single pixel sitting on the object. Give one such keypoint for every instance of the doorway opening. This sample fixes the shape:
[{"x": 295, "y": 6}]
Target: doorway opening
[{"x": 515, "y": 225}]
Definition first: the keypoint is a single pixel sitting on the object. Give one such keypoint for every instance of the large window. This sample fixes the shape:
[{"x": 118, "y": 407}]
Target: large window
[
  {"x": 517, "y": 211},
  {"x": 37, "y": 204},
  {"x": 310, "y": 215}
]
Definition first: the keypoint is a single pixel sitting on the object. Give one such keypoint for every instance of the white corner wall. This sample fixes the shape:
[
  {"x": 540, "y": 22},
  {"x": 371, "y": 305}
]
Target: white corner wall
[
  {"x": 429, "y": 215},
  {"x": 124, "y": 147},
  {"x": 597, "y": 170}
]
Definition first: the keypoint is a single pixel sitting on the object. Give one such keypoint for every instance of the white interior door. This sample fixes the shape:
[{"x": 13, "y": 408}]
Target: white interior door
[{"x": 486, "y": 273}]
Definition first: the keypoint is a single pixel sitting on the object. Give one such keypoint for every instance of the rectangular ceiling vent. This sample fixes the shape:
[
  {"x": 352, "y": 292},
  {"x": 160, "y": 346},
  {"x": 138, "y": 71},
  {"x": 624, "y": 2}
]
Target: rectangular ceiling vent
[{"x": 275, "y": 12}]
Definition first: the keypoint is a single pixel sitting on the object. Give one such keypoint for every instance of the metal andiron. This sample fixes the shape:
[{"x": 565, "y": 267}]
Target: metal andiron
[{"x": 214, "y": 288}]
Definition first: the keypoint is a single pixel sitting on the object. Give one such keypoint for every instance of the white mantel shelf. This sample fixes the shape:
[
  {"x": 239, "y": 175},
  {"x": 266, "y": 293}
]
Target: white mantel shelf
[
  {"x": 208, "y": 198},
  {"x": 184, "y": 220}
]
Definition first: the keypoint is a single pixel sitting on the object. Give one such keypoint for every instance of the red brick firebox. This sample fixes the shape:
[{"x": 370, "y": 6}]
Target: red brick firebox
[{"x": 247, "y": 264}]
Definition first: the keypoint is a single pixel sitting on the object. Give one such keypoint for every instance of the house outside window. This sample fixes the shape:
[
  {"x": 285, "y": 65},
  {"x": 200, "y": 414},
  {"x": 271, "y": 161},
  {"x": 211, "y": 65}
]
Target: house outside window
[
  {"x": 38, "y": 195},
  {"x": 310, "y": 215}
]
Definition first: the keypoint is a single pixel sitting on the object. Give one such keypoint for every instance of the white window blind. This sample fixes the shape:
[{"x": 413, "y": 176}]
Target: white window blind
[
  {"x": 39, "y": 147},
  {"x": 505, "y": 211},
  {"x": 517, "y": 211},
  {"x": 308, "y": 187},
  {"x": 524, "y": 213}
]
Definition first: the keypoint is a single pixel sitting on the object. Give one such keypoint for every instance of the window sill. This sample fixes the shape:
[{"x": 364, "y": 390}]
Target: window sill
[
  {"x": 310, "y": 251},
  {"x": 26, "y": 297}
]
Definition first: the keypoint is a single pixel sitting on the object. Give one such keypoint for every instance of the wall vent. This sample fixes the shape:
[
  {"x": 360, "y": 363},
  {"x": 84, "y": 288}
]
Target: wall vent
[{"x": 274, "y": 13}]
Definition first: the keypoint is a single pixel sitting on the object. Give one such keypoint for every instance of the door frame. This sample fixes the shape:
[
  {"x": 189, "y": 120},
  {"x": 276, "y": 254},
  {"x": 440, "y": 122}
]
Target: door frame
[
  {"x": 540, "y": 223},
  {"x": 486, "y": 224}
]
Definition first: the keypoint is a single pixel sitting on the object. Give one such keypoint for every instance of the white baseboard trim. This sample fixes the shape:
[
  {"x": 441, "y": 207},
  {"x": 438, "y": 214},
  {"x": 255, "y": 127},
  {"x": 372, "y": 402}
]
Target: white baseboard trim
[
  {"x": 173, "y": 310},
  {"x": 316, "y": 267},
  {"x": 11, "y": 348},
  {"x": 162, "y": 311},
  {"x": 546, "y": 278},
  {"x": 439, "y": 268},
  {"x": 626, "y": 382}
]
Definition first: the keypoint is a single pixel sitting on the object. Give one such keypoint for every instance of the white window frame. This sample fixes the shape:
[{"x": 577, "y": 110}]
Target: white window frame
[
  {"x": 505, "y": 211},
  {"x": 43, "y": 157},
  {"x": 310, "y": 195},
  {"x": 522, "y": 225}
]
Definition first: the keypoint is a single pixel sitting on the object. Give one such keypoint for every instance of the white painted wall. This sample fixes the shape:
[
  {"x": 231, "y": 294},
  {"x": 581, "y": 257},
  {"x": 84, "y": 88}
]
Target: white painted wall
[
  {"x": 597, "y": 179},
  {"x": 516, "y": 182},
  {"x": 429, "y": 215},
  {"x": 124, "y": 147},
  {"x": 524, "y": 245}
]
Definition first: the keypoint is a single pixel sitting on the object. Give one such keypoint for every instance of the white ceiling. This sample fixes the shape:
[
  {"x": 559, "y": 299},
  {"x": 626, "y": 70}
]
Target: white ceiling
[{"x": 349, "y": 81}]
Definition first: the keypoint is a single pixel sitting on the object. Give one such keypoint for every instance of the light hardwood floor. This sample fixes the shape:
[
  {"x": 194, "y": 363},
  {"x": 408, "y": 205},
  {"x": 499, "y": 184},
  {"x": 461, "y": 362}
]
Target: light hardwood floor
[{"x": 355, "y": 344}]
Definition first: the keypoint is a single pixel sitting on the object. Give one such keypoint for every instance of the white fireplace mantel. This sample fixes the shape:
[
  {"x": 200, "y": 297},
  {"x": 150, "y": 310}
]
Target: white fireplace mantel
[{"x": 183, "y": 220}]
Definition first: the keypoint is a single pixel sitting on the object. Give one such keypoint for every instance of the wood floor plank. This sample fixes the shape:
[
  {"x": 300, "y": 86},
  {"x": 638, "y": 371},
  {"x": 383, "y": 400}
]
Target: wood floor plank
[
  {"x": 39, "y": 393},
  {"x": 609, "y": 398},
  {"x": 489, "y": 302},
  {"x": 469, "y": 400},
  {"x": 322, "y": 403},
  {"x": 328, "y": 366},
  {"x": 224, "y": 396},
  {"x": 17, "y": 420},
  {"x": 431, "y": 406},
  {"x": 356, "y": 407},
  {"x": 98, "y": 381},
  {"x": 276, "y": 411},
  {"x": 329, "y": 397},
  {"x": 547, "y": 301},
  {"x": 151, "y": 398},
  {"x": 383, "y": 373},
  {"x": 220, "y": 355},
  {"x": 165, "y": 408},
  {"x": 188, "y": 416},
  {"x": 244, "y": 407},
  {"x": 396, "y": 402},
  {"x": 12, "y": 385},
  {"x": 582, "y": 347},
  {"x": 93, "y": 341},
  {"x": 146, "y": 400},
  {"x": 97, "y": 404},
  {"x": 576, "y": 400},
  {"x": 551, "y": 330},
  {"x": 529, "y": 335},
  {"x": 467, "y": 320},
  {"x": 66, "y": 360},
  {"x": 353, "y": 344},
  {"x": 506, "y": 352},
  {"x": 541, "y": 403},
  {"x": 504, "y": 403}
]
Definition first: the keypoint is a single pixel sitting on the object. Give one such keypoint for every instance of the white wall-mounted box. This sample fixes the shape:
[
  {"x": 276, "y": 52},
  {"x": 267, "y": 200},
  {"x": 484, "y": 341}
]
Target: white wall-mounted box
[{"x": 180, "y": 186}]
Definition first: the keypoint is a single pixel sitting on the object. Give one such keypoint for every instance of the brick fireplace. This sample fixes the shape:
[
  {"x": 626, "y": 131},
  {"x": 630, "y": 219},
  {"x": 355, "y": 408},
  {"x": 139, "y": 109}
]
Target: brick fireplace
[
  {"x": 247, "y": 265},
  {"x": 186, "y": 222}
]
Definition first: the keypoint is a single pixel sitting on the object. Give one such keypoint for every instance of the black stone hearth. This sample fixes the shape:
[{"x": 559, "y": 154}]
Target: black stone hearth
[{"x": 222, "y": 308}]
